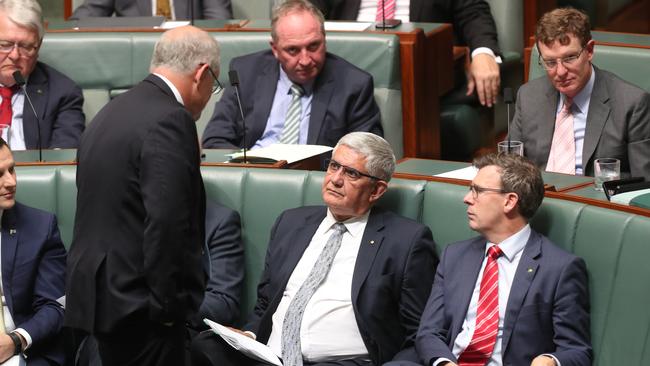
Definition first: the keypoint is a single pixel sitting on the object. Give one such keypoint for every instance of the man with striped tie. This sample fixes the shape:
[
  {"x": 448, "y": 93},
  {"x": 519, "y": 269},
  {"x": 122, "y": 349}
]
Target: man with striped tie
[
  {"x": 296, "y": 92},
  {"x": 509, "y": 296}
]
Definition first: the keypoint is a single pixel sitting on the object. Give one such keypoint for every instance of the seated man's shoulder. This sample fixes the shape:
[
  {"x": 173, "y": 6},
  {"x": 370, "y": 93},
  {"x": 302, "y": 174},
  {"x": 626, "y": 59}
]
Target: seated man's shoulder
[
  {"x": 53, "y": 75},
  {"x": 621, "y": 88},
  {"x": 35, "y": 215},
  {"x": 345, "y": 69}
]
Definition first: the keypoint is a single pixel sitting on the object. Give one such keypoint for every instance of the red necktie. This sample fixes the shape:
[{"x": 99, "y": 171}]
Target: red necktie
[
  {"x": 387, "y": 7},
  {"x": 5, "y": 108},
  {"x": 480, "y": 348},
  {"x": 562, "y": 158}
]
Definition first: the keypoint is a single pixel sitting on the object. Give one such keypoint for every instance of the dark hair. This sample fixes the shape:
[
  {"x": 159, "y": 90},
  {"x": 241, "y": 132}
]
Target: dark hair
[
  {"x": 518, "y": 175},
  {"x": 3, "y": 143},
  {"x": 558, "y": 24}
]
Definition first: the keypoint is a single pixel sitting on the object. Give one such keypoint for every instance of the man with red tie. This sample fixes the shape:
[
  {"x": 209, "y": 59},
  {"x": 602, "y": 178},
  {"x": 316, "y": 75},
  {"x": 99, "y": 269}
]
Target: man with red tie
[
  {"x": 509, "y": 296},
  {"x": 57, "y": 100}
]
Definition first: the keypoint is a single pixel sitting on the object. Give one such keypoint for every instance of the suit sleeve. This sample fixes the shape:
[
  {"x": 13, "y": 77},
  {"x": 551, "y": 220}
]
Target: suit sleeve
[
  {"x": 217, "y": 9},
  {"x": 416, "y": 285},
  {"x": 364, "y": 113},
  {"x": 431, "y": 341},
  {"x": 69, "y": 121},
  {"x": 475, "y": 24},
  {"x": 639, "y": 138},
  {"x": 169, "y": 180},
  {"x": 49, "y": 286},
  {"x": 94, "y": 8},
  {"x": 226, "y": 265},
  {"x": 571, "y": 316}
]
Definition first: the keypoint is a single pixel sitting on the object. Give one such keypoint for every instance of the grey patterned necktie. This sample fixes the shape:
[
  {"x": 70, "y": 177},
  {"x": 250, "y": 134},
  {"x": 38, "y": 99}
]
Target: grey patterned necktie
[
  {"x": 291, "y": 351},
  {"x": 292, "y": 120}
]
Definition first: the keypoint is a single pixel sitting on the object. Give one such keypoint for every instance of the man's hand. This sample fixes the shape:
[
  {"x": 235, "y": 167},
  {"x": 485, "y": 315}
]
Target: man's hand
[
  {"x": 483, "y": 75},
  {"x": 247, "y": 334},
  {"x": 543, "y": 361},
  {"x": 7, "y": 348}
]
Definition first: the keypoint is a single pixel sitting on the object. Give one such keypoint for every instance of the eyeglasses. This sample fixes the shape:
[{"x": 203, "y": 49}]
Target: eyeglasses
[
  {"x": 216, "y": 87},
  {"x": 478, "y": 189},
  {"x": 352, "y": 174},
  {"x": 24, "y": 50},
  {"x": 566, "y": 61}
]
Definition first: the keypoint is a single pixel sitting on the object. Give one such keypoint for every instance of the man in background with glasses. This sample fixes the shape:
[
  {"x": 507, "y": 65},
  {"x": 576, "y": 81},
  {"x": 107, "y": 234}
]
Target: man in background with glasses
[
  {"x": 343, "y": 284},
  {"x": 509, "y": 296},
  {"x": 57, "y": 99},
  {"x": 579, "y": 112}
]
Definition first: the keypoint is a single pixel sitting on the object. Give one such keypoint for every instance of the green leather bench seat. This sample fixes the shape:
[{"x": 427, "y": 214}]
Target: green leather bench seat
[
  {"x": 614, "y": 244},
  {"x": 106, "y": 64}
]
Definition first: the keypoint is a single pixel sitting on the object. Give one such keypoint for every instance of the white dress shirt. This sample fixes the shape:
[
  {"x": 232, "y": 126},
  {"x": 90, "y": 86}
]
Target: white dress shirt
[
  {"x": 171, "y": 86},
  {"x": 329, "y": 328}
]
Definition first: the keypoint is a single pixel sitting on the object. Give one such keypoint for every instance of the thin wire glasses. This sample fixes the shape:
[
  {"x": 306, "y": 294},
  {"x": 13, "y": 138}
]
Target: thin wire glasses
[
  {"x": 24, "y": 49},
  {"x": 476, "y": 190},
  {"x": 333, "y": 166},
  {"x": 566, "y": 61},
  {"x": 216, "y": 87}
]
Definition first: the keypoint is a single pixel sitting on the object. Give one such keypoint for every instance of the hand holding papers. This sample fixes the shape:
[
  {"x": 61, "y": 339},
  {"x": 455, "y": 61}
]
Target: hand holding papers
[{"x": 245, "y": 344}]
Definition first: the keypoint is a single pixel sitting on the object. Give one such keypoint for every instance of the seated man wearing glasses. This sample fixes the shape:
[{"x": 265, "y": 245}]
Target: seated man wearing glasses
[
  {"x": 343, "y": 284},
  {"x": 57, "y": 99},
  {"x": 509, "y": 296},
  {"x": 580, "y": 113}
]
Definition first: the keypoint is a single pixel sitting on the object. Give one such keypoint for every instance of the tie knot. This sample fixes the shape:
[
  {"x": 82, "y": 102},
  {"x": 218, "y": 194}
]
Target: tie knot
[
  {"x": 297, "y": 90},
  {"x": 7, "y": 91},
  {"x": 494, "y": 252},
  {"x": 339, "y": 228},
  {"x": 568, "y": 102}
]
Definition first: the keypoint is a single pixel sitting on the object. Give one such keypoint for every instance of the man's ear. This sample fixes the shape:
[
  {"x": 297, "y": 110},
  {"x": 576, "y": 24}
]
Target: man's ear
[
  {"x": 200, "y": 72},
  {"x": 380, "y": 188},
  {"x": 274, "y": 49},
  {"x": 511, "y": 201}
]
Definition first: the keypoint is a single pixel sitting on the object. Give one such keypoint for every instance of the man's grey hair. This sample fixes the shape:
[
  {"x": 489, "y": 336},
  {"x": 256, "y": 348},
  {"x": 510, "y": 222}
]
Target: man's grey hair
[
  {"x": 380, "y": 160},
  {"x": 183, "y": 54},
  {"x": 282, "y": 8},
  {"x": 25, "y": 13}
]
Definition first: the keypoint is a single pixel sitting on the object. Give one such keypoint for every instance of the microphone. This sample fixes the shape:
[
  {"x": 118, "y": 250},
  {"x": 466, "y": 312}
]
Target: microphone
[
  {"x": 508, "y": 99},
  {"x": 20, "y": 81},
  {"x": 233, "y": 76},
  {"x": 190, "y": 3}
]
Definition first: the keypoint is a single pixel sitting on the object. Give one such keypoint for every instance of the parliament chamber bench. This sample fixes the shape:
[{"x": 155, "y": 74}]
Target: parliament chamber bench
[
  {"x": 613, "y": 243},
  {"x": 105, "y": 64}
]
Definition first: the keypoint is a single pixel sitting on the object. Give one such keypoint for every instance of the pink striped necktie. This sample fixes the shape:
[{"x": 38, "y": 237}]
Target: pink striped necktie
[
  {"x": 386, "y": 7},
  {"x": 480, "y": 348},
  {"x": 562, "y": 158}
]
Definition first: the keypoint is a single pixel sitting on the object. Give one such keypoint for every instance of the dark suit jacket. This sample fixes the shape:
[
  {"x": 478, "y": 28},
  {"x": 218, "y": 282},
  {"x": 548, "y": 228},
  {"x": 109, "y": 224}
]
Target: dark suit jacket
[
  {"x": 33, "y": 275},
  {"x": 472, "y": 19},
  {"x": 223, "y": 261},
  {"x": 139, "y": 224},
  {"x": 343, "y": 102},
  {"x": 203, "y": 9},
  {"x": 392, "y": 277},
  {"x": 547, "y": 311},
  {"x": 58, "y": 102},
  {"x": 618, "y": 123}
]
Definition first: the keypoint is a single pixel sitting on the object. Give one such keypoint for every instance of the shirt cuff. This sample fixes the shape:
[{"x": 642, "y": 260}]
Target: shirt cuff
[
  {"x": 488, "y": 51},
  {"x": 440, "y": 361},
  {"x": 557, "y": 362},
  {"x": 251, "y": 334},
  {"x": 25, "y": 335}
]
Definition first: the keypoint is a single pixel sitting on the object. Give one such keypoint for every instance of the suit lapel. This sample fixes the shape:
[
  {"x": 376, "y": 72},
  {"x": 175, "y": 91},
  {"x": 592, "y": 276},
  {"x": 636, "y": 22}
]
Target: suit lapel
[
  {"x": 471, "y": 260},
  {"x": 36, "y": 88},
  {"x": 370, "y": 243},
  {"x": 323, "y": 89},
  {"x": 9, "y": 246},
  {"x": 524, "y": 275},
  {"x": 267, "y": 82},
  {"x": 547, "y": 119},
  {"x": 597, "y": 116}
]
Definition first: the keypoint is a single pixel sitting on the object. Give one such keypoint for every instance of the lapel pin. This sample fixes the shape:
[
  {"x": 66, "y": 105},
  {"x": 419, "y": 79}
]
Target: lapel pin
[
  {"x": 372, "y": 242},
  {"x": 39, "y": 91},
  {"x": 12, "y": 231},
  {"x": 530, "y": 270}
]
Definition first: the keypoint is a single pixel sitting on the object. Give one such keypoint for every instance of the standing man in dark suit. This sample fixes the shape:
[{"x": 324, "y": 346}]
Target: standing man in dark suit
[
  {"x": 359, "y": 304},
  {"x": 134, "y": 269},
  {"x": 57, "y": 99},
  {"x": 203, "y": 9},
  {"x": 296, "y": 92},
  {"x": 33, "y": 275},
  {"x": 472, "y": 21},
  {"x": 509, "y": 296},
  {"x": 606, "y": 116}
]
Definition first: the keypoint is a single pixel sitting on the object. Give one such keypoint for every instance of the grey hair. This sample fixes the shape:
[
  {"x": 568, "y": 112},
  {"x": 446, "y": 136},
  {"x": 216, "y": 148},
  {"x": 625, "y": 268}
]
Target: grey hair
[
  {"x": 285, "y": 7},
  {"x": 380, "y": 160},
  {"x": 25, "y": 13},
  {"x": 518, "y": 175},
  {"x": 183, "y": 53}
]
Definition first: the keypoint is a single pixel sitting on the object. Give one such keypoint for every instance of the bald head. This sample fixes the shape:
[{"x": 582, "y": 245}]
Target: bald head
[{"x": 181, "y": 49}]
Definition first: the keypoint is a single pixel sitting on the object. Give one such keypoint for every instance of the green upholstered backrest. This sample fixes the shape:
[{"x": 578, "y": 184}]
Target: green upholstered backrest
[
  {"x": 629, "y": 63},
  {"x": 106, "y": 64},
  {"x": 509, "y": 18},
  {"x": 614, "y": 244}
]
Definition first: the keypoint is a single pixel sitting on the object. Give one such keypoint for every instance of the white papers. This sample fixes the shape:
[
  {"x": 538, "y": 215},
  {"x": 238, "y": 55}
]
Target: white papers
[
  {"x": 467, "y": 173},
  {"x": 289, "y": 152},
  {"x": 174, "y": 24},
  {"x": 626, "y": 197},
  {"x": 346, "y": 26},
  {"x": 244, "y": 344}
]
